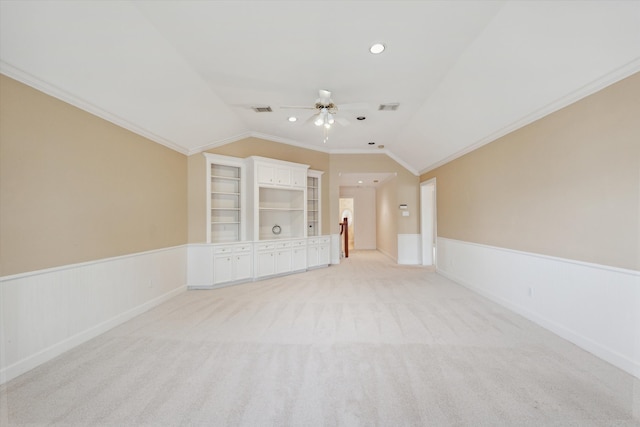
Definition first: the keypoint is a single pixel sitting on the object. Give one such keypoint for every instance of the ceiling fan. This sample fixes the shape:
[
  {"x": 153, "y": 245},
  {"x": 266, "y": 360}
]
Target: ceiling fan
[{"x": 326, "y": 111}]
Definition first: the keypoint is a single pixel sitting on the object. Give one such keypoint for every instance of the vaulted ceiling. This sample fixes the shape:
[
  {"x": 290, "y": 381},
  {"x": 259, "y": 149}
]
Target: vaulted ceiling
[{"x": 186, "y": 74}]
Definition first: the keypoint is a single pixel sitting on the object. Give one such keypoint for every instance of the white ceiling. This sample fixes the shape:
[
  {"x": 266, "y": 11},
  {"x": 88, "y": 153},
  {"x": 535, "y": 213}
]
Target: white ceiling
[{"x": 184, "y": 73}]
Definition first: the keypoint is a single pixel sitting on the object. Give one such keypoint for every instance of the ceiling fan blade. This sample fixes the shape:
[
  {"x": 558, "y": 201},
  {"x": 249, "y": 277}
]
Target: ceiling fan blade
[
  {"x": 297, "y": 107},
  {"x": 247, "y": 106},
  {"x": 311, "y": 119},
  {"x": 354, "y": 106},
  {"x": 342, "y": 121}
]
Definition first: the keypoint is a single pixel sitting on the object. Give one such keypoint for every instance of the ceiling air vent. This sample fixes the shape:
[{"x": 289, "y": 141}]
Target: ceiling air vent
[
  {"x": 266, "y": 109},
  {"x": 388, "y": 107}
]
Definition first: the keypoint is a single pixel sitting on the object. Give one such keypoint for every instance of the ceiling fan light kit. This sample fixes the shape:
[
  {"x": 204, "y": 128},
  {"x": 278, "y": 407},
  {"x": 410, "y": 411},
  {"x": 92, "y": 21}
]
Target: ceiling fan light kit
[{"x": 325, "y": 112}]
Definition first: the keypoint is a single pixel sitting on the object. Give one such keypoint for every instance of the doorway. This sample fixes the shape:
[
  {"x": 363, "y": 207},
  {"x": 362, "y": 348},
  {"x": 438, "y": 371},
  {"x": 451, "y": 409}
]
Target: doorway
[
  {"x": 428, "y": 225},
  {"x": 347, "y": 211}
]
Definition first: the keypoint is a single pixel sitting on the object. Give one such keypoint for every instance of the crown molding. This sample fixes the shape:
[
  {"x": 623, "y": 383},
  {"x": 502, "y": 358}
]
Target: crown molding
[
  {"x": 58, "y": 93},
  {"x": 218, "y": 143},
  {"x": 383, "y": 151},
  {"x": 252, "y": 134},
  {"x": 590, "y": 88},
  {"x": 288, "y": 142}
]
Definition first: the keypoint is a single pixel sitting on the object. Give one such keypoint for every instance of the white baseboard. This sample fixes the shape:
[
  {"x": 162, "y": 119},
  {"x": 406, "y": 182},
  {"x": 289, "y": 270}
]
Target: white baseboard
[
  {"x": 47, "y": 312},
  {"x": 595, "y": 307}
]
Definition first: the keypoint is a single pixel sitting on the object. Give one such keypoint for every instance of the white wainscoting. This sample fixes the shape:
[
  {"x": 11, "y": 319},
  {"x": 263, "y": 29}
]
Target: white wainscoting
[
  {"x": 200, "y": 266},
  {"x": 596, "y": 307},
  {"x": 409, "y": 249},
  {"x": 47, "y": 312},
  {"x": 336, "y": 248}
]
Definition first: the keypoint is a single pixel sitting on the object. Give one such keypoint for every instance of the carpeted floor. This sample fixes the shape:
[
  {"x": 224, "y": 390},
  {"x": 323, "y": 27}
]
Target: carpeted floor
[{"x": 365, "y": 343}]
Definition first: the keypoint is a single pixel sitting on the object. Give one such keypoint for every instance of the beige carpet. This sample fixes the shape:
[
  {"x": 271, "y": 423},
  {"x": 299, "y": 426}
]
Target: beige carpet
[{"x": 365, "y": 343}]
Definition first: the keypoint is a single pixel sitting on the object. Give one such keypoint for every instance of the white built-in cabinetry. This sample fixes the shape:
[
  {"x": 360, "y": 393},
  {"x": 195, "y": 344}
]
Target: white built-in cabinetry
[
  {"x": 225, "y": 199},
  {"x": 270, "y": 172},
  {"x": 263, "y": 219},
  {"x": 232, "y": 263},
  {"x": 279, "y": 190},
  {"x": 314, "y": 218},
  {"x": 318, "y": 251},
  {"x": 280, "y": 257}
]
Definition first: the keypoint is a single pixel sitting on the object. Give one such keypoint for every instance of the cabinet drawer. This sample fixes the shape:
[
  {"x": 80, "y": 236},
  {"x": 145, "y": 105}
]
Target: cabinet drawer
[
  {"x": 299, "y": 243},
  {"x": 223, "y": 250},
  {"x": 282, "y": 245},
  {"x": 265, "y": 247},
  {"x": 242, "y": 248}
]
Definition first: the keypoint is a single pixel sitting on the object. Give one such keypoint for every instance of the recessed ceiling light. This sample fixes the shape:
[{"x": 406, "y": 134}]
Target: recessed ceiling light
[
  {"x": 381, "y": 146},
  {"x": 292, "y": 119},
  {"x": 377, "y": 48},
  {"x": 359, "y": 181},
  {"x": 360, "y": 118},
  {"x": 371, "y": 143}
]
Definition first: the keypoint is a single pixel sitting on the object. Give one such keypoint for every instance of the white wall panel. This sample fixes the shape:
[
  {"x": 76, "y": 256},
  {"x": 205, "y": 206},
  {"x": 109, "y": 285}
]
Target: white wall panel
[
  {"x": 596, "y": 307},
  {"x": 409, "y": 251},
  {"x": 335, "y": 248},
  {"x": 200, "y": 266},
  {"x": 47, "y": 312}
]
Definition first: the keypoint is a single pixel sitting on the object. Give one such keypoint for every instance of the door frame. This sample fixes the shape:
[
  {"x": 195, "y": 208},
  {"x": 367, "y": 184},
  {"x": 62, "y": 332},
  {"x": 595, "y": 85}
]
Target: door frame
[{"x": 428, "y": 222}]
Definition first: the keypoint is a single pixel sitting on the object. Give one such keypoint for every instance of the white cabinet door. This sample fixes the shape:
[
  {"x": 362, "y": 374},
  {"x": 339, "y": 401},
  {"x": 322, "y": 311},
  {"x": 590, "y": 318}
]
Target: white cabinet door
[
  {"x": 299, "y": 259},
  {"x": 222, "y": 269},
  {"x": 283, "y": 176},
  {"x": 312, "y": 255},
  {"x": 242, "y": 266},
  {"x": 283, "y": 261},
  {"x": 324, "y": 252},
  {"x": 266, "y": 264},
  {"x": 266, "y": 174},
  {"x": 298, "y": 178}
]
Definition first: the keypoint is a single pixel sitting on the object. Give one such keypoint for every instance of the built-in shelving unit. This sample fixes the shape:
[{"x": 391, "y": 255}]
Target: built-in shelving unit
[
  {"x": 281, "y": 213},
  {"x": 225, "y": 184},
  {"x": 263, "y": 220},
  {"x": 313, "y": 203},
  {"x": 279, "y": 199}
]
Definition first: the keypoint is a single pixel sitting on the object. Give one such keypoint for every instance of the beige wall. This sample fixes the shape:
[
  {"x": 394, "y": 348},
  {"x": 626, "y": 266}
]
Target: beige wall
[
  {"x": 197, "y": 198},
  {"x": 75, "y": 188},
  {"x": 387, "y": 218},
  {"x": 567, "y": 185}
]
